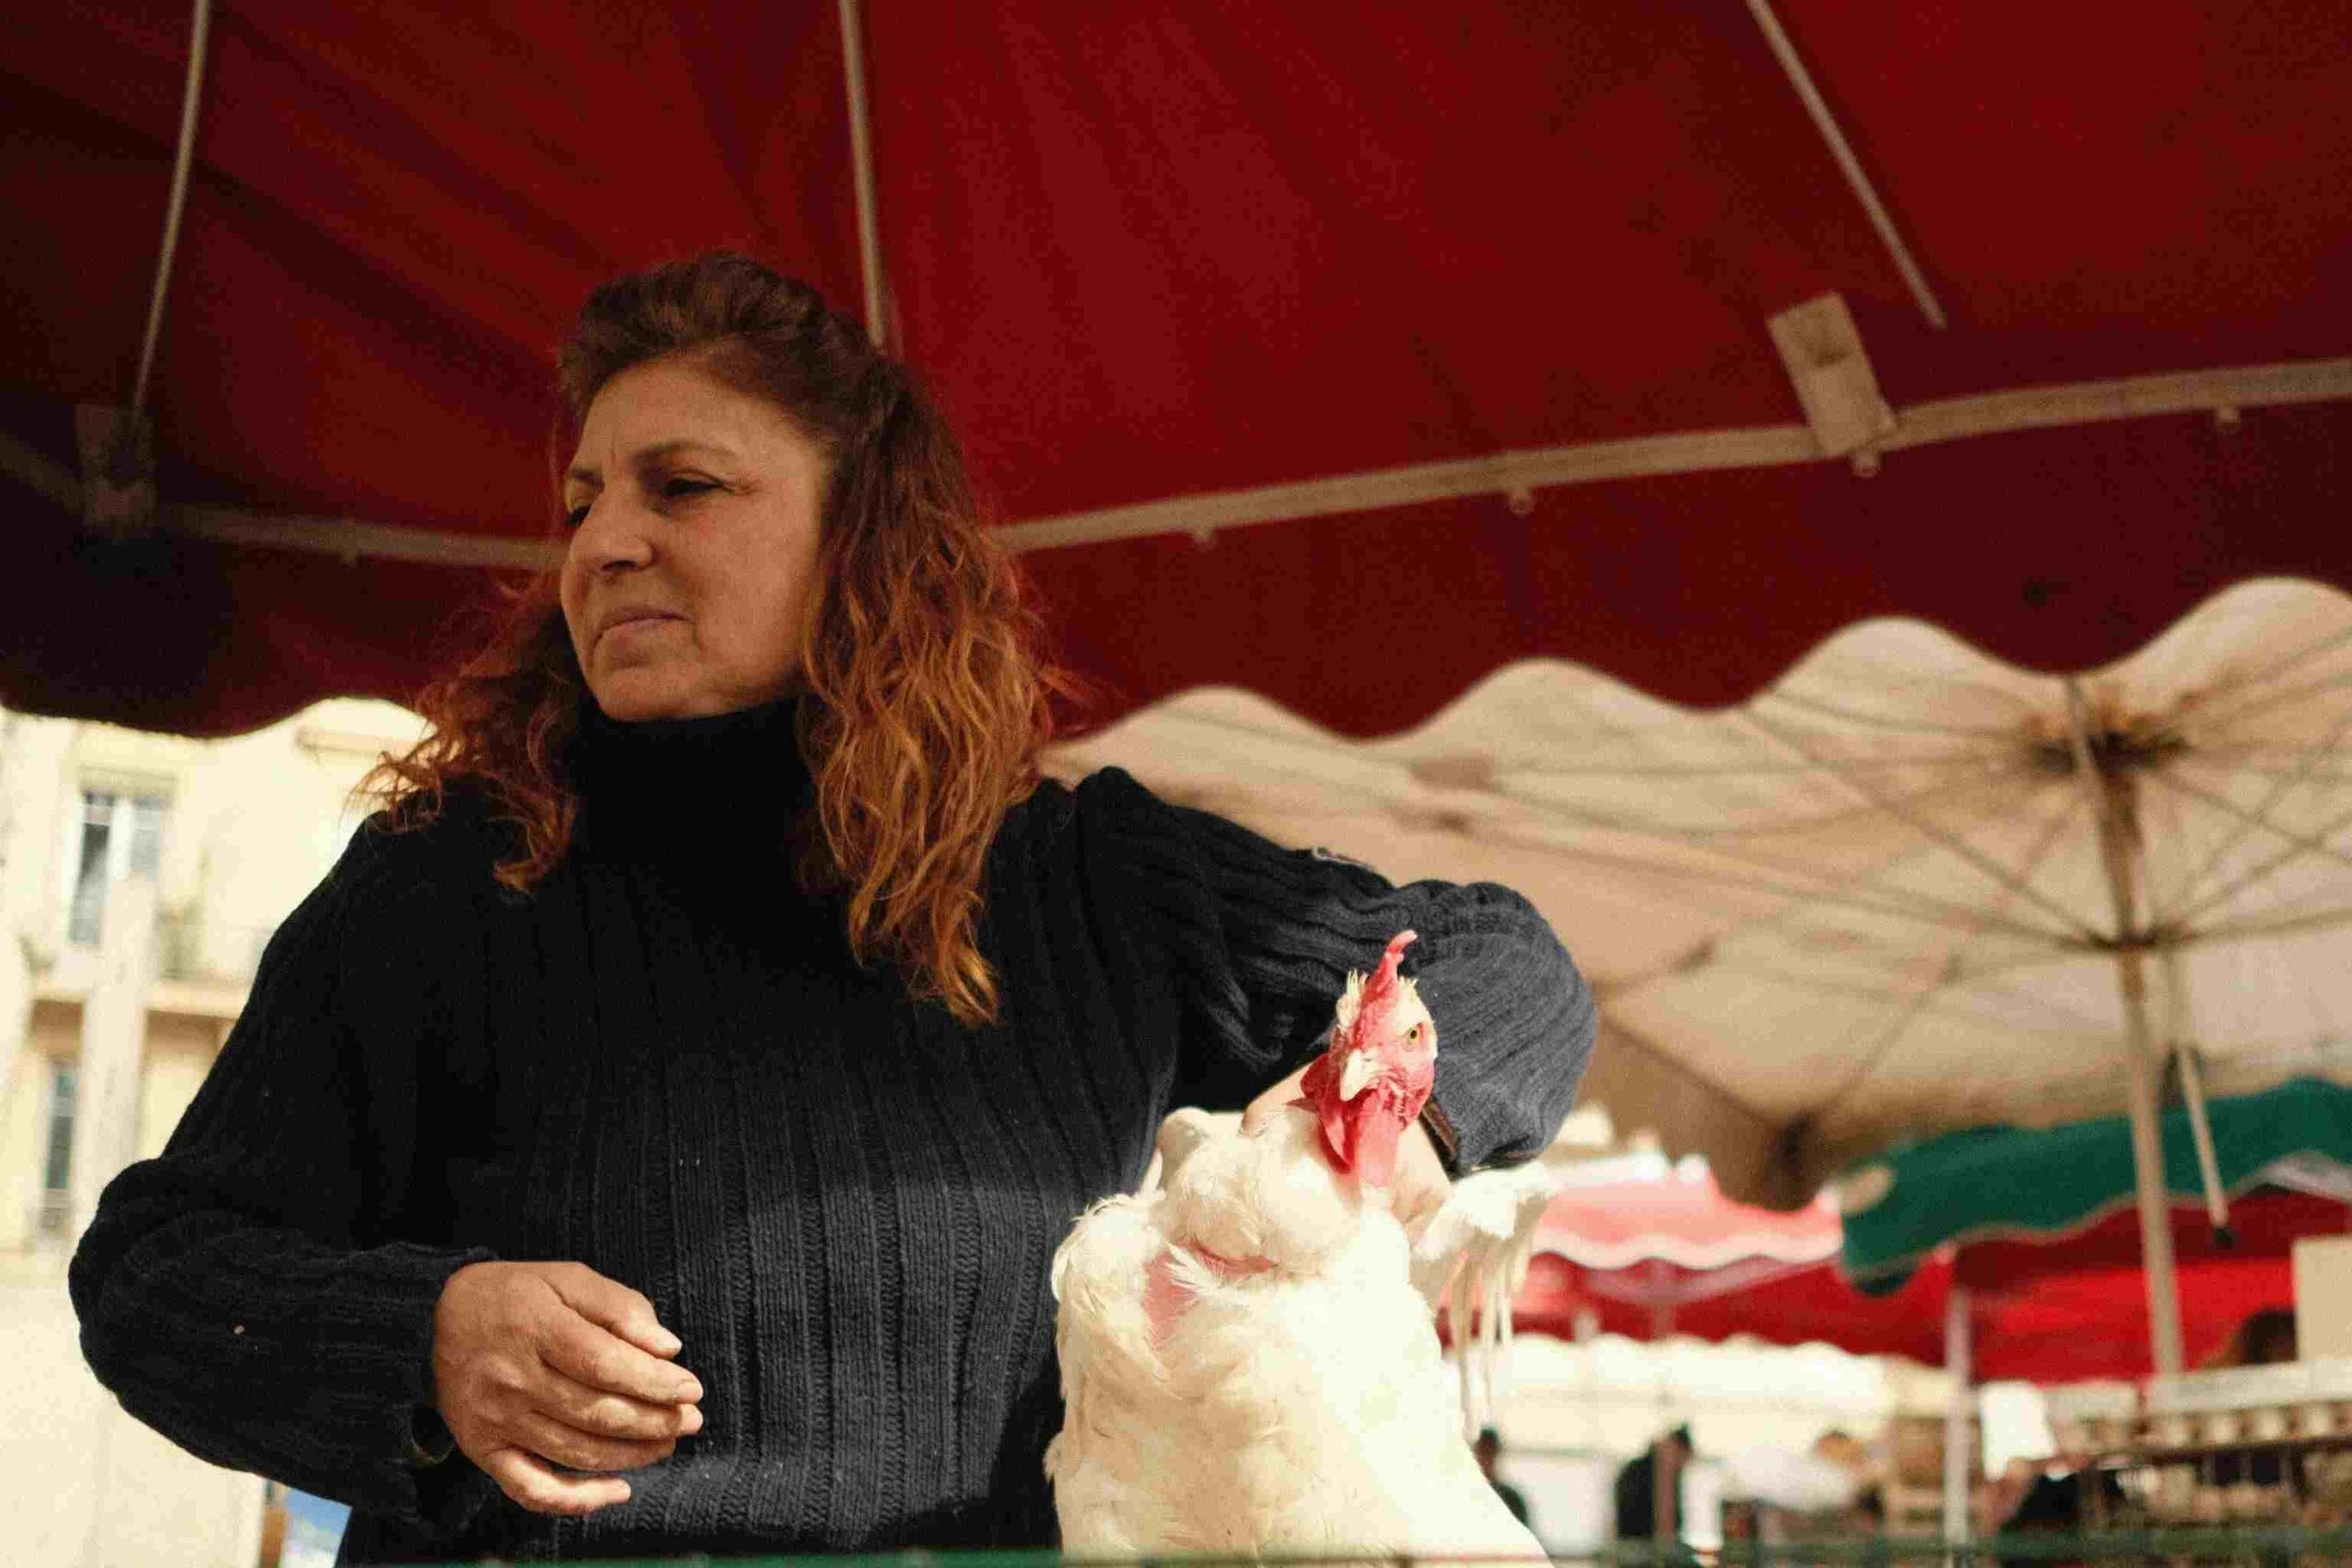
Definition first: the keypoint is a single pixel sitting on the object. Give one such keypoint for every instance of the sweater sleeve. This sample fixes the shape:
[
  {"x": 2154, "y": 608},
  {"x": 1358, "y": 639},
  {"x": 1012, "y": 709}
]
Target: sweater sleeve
[
  {"x": 246, "y": 1293},
  {"x": 1261, "y": 940}
]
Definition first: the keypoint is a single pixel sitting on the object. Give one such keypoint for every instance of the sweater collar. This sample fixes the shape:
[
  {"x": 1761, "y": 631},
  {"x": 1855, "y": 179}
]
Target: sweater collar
[{"x": 738, "y": 775}]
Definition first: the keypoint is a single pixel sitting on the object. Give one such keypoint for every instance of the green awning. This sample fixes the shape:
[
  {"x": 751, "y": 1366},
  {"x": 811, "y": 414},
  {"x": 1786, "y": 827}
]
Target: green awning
[{"x": 2012, "y": 1182}]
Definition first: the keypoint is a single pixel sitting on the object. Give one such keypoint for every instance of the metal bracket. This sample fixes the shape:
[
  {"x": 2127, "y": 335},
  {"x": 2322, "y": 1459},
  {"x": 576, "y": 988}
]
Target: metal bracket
[
  {"x": 117, "y": 449},
  {"x": 1824, "y": 354}
]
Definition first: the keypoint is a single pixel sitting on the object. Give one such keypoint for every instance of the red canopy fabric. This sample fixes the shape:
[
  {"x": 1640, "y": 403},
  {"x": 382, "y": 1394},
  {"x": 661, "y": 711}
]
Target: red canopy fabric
[
  {"x": 1682, "y": 1220},
  {"x": 1154, "y": 253},
  {"x": 2051, "y": 1311},
  {"x": 2264, "y": 1225}
]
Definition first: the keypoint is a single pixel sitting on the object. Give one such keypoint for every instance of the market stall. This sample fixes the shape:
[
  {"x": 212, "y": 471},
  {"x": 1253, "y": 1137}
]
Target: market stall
[{"x": 1663, "y": 340}]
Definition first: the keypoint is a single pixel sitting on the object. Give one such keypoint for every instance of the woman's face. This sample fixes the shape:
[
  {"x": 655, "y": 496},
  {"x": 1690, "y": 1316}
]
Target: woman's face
[{"x": 693, "y": 511}]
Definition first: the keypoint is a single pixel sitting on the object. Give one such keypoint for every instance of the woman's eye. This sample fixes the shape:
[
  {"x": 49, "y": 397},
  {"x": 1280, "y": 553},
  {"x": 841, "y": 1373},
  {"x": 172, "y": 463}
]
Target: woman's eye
[
  {"x": 678, "y": 490},
  {"x": 575, "y": 516}
]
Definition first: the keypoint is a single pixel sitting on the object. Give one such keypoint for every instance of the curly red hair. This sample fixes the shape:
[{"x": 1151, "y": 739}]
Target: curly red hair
[{"x": 925, "y": 705}]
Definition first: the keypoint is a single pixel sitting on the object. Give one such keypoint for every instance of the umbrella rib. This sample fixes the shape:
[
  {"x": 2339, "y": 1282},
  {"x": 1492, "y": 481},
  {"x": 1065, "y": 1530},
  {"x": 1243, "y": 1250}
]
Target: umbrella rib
[
  {"x": 1914, "y": 1001},
  {"x": 1711, "y": 841},
  {"x": 1928, "y": 912},
  {"x": 2254, "y": 702},
  {"x": 1704, "y": 836},
  {"x": 2007, "y": 740},
  {"x": 2248, "y": 819},
  {"x": 2255, "y": 707},
  {"x": 1978, "y": 974},
  {"x": 2212, "y": 756},
  {"x": 1389, "y": 804},
  {"x": 1258, "y": 738},
  {"x": 2248, "y": 930},
  {"x": 1893, "y": 964},
  {"x": 2298, "y": 844},
  {"x": 2034, "y": 961},
  {"x": 1765, "y": 921},
  {"x": 1983, "y": 864},
  {"x": 1762, "y": 771},
  {"x": 1322, "y": 744},
  {"x": 1931, "y": 911},
  {"x": 1900, "y": 1023},
  {"x": 2168, "y": 817}
]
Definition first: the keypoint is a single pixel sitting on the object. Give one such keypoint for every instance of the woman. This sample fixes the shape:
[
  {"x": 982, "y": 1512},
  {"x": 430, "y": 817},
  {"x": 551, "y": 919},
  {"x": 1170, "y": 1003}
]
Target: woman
[{"x": 652, "y": 1135}]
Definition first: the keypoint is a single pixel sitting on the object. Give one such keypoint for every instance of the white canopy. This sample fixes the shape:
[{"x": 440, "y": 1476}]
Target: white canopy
[{"x": 1875, "y": 900}]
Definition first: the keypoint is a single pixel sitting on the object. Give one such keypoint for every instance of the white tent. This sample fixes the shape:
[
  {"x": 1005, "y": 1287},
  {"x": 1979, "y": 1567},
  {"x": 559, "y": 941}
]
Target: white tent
[{"x": 1909, "y": 888}]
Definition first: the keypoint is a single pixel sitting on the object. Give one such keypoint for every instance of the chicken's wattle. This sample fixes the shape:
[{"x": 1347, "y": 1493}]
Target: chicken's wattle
[{"x": 1371, "y": 1083}]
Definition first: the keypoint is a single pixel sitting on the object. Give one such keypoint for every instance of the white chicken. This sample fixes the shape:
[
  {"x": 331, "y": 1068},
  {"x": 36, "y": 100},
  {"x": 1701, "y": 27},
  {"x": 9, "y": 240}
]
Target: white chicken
[{"x": 1247, "y": 1365}]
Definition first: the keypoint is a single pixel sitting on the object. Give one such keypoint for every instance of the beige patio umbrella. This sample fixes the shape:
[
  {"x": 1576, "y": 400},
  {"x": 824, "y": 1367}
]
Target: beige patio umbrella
[{"x": 1909, "y": 888}]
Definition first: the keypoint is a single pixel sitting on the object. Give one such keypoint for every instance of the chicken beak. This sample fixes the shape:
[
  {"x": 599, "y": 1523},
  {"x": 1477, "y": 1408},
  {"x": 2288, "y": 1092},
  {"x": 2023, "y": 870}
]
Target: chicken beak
[{"x": 1356, "y": 1073}]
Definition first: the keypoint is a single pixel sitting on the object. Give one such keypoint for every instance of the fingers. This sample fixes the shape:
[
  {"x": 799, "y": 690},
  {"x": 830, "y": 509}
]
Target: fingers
[
  {"x": 537, "y": 1365},
  {"x": 586, "y": 1353},
  {"x": 576, "y": 1449},
  {"x": 611, "y": 1305},
  {"x": 607, "y": 1414},
  {"x": 535, "y": 1485}
]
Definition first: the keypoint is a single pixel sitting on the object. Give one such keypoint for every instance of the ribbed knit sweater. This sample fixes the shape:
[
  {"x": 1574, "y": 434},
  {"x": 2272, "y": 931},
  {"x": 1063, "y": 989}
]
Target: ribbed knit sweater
[{"x": 664, "y": 1064}]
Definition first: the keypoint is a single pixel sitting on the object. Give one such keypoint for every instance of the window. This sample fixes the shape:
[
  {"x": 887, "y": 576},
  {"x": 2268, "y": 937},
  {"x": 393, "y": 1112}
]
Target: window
[
  {"x": 121, "y": 835},
  {"x": 57, "y": 1154}
]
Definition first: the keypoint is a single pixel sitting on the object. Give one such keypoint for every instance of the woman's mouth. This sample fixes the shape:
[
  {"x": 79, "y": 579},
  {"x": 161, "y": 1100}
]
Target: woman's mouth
[{"x": 637, "y": 625}]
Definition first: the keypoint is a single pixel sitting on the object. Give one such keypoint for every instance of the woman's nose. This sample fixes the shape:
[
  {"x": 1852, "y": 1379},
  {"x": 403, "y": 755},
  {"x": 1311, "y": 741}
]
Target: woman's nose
[{"x": 612, "y": 536}]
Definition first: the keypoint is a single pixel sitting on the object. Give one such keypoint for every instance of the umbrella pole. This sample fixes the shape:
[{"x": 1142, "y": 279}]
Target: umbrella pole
[
  {"x": 2148, "y": 1170},
  {"x": 1666, "y": 1491},
  {"x": 2192, "y": 1093},
  {"x": 2116, "y": 840},
  {"x": 1958, "y": 1431}
]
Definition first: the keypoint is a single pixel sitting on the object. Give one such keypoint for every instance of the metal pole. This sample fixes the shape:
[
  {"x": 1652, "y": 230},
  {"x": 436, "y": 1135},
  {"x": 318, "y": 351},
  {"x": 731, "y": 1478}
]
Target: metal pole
[
  {"x": 2117, "y": 845},
  {"x": 2192, "y": 1094},
  {"x": 191, "y": 94},
  {"x": 1665, "y": 1500},
  {"x": 1958, "y": 1432},
  {"x": 2148, "y": 1169},
  {"x": 1665, "y": 1487},
  {"x": 860, "y": 151},
  {"x": 1848, "y": 164}
]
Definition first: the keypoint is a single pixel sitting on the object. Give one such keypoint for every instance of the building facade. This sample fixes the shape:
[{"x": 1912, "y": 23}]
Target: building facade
[{"x": 173, "y": 860}]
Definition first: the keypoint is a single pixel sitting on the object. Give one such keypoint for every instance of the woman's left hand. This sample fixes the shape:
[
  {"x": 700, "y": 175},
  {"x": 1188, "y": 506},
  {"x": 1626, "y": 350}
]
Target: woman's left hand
[{"x": 1421, "y": 1186}]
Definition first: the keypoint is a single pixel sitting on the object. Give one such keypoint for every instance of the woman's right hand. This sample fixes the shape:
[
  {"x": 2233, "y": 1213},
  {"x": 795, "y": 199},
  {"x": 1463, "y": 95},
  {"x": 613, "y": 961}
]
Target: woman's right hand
[{"x": 536, "y": 1365}]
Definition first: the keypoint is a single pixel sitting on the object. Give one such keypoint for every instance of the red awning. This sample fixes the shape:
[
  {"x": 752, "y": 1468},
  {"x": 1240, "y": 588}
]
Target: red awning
[
  {"x": 1680, "y": 1219},
  {"x": 2053, "y": 1311},
  {"x": 1165, "y": 259}
]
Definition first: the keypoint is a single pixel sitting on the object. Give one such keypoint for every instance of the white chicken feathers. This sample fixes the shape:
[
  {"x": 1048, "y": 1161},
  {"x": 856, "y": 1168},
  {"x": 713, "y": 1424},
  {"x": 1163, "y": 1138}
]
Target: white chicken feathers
[
  {"x": 1470, "y": 1260},
  {"x": 1299, "y": 1407}
]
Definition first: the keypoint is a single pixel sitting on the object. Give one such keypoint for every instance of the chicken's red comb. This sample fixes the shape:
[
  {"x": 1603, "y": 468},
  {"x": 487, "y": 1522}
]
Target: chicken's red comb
[{"x": 1382, "y": 981}]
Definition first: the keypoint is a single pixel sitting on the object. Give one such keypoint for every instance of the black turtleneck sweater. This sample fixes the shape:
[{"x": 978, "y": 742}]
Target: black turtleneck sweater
[{"x": 664, "y": 1063}]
